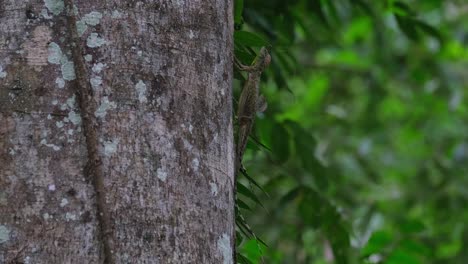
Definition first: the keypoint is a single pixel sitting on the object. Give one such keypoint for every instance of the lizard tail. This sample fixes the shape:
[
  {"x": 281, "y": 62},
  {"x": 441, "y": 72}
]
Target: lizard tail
[{"x": 241, "y": 145}]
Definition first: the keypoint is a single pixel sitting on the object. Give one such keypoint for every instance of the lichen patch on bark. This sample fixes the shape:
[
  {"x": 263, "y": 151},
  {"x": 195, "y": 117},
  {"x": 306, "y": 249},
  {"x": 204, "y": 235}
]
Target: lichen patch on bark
[
  {"x": 54, "y": 6},
  {"x": 3, "y": 74},
  {"x": 67, "y": 68},
  {"x": 95, "y": 41},
  {"x": 4, "y": 234}
]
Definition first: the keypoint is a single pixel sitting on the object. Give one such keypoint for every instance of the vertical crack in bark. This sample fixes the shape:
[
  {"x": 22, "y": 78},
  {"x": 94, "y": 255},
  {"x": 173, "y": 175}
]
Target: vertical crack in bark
[{"x": 87, "y": 106}]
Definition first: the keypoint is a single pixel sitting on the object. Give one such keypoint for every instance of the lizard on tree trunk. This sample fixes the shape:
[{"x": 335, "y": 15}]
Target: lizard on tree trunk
[{"x": 250, "y": 102}]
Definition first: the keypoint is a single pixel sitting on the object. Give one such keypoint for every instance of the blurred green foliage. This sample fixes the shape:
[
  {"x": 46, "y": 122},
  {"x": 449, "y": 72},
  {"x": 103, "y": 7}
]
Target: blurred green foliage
[{"x": 365, "y": 133}]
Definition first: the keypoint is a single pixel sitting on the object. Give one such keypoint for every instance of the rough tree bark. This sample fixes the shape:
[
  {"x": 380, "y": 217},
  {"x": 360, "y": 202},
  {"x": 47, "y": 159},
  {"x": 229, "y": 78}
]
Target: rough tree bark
[{"x": 116, "y": 131}]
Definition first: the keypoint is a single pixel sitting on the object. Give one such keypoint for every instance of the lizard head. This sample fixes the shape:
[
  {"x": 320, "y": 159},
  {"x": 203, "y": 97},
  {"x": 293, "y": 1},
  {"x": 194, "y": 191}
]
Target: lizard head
[{"x": 264, "y": 56}]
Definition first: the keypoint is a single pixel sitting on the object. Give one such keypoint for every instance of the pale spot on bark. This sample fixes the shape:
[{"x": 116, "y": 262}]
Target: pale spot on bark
[
  {"x": 97, "y": 68},
  {"x": 92, "y": 18},
  {"x": 71, "y": 102},
  {"x": 116, "y": 14},
  {"x": 191, "y": 34},
  {"x": 141, "y": 90},
  {"x": 56, "y": 56},
  {"x": 70, "y": 217},
  {"x": 195, "y": 164},
  {"x": 213, "y": 188},
  {"x": 94, "y": 41},
  {"x": 12, "y": 152},
  {"x": 95, "y": 81},
  {"x": 101, "y": 112},
  {"x": 59, "y": 124},
  {"x": 55, "y": 53},
  {"x": 63, "y": 202},
  {"x": 54, "y": 147},
  {"x": 88, "y": 57},
  {"x": 110, "y": 147},
  {"x": 2, "y": 73},
  {"x": 60, "y": 82},
  {"x": 162, "y": 175},
  {"x": 45, "y": 14},
  {"x": 46, "y": 216},
  {"x": 74, "y": 117},
  {"x": 81, "y": 27},
  {"x": 187, "y": 144},
  {"x": 4, "y": 234},
  {"x": 68, "y": 70},
  {"x": 225, "y": 249},
  {"x": 54, "y": 6}
]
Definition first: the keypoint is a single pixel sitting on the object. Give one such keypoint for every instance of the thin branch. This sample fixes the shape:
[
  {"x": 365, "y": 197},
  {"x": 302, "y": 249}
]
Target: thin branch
[{"x": 87, "y": 106}]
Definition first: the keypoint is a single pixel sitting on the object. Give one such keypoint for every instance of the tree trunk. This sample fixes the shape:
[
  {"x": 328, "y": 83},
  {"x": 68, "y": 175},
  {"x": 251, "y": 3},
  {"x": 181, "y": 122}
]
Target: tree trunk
[{"x": 116, "y": 132}]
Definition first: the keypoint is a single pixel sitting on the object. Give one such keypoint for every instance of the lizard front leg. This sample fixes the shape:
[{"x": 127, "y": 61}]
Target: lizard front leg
[{"x": 242, "y": 67}]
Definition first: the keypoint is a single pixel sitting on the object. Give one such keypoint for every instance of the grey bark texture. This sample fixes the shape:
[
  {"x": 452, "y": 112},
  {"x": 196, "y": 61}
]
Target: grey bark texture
[{"x": 116, "y": 131}]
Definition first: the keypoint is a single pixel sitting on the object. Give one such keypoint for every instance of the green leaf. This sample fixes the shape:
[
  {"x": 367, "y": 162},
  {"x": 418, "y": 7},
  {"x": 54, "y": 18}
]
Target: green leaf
[
  {"x": 339, "y": 239},
  {"x": 289, "y": 196},
  {"x": 252, "y": 181},
  {"x": 243, "y": 55},
  {"x": 400, "y": 256},
  {"x": 248, "y": 193},
  {"x": 242, "y": 204},
  {"x": 239, "y": 238},
  {"x": 254, "y": 139},
  {"x": 246, "y": 230},
  {"x": 317, "y": 8},
  {"x": 242, "y": 259},
  {"x": 242, "y": 224},
  {"x": 330, "y": 8},
  {"x": 238, "y": 8},
  {"x": 249, "y": 39},
  {"x": 280, "y": 143},
  {"x": 287, "y": 61},
  {"x": 377, "y": 243},
  {"x": 253, "y": 250},
  {"x": 430, "y": 30},
  {"x": 408, "y": 27},
  {"x": 305, "y": 147},
  {"x": 311, "y": 208},
  {"x": 402, "y": 9},
  {"x": 415, "y": 247},
  {"x": 364, "y": 6},
  {"x": 261, "y": 241},
  {"x": 449, "y": 249},
  {"x": 279, "y": 76},
  {"x": 412, "y": 226}
]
